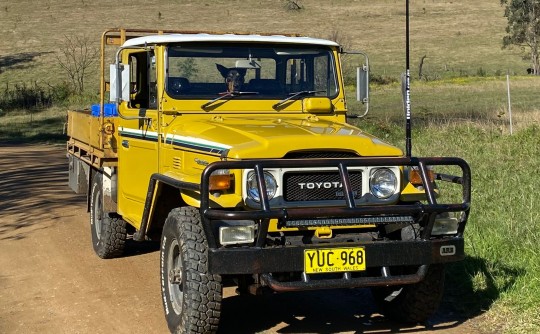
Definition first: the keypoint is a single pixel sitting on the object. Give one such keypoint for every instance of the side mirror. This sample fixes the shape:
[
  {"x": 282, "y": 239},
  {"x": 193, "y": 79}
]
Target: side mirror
[
  {"x": 362, "y": 84},
  {"x": 119, "y": 81}
]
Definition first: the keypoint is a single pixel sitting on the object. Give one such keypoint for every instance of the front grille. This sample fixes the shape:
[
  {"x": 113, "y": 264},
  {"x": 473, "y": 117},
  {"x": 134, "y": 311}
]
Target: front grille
[{"x": 319, "y": 186}]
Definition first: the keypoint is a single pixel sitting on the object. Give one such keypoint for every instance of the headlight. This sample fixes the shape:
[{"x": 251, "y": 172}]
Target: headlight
[
  {"x": 382, "y": 183},
  {"x": 253, "y": 187}
]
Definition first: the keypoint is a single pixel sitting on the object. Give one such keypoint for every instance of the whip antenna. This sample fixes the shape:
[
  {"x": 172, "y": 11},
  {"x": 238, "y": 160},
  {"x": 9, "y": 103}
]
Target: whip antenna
[{"x": 407, "y": 97}]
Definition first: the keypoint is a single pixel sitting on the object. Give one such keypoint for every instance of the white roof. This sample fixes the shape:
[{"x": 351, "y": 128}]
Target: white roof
[{"x": 182, "y": 38}]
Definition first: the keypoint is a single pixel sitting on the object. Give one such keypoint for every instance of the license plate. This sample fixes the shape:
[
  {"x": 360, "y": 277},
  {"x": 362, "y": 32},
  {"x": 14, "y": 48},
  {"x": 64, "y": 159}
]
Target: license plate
[{"x": 331, "y": 260}]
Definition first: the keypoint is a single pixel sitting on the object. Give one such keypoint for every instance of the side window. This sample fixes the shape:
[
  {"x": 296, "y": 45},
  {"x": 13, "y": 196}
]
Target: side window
[
  {"x": 143, "y": 79},
  {"x": 267, "y": 70},
  {"x": 324, "y": 76},
  {"x": 139, "y": 80},
  {"x": 311, "y": 73},
  {"x": 134, "y": 83},
  {"x": 299, "y": 74}
]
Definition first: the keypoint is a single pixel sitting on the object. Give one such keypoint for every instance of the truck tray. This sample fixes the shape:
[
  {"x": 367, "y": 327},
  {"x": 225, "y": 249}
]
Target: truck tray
[{"x": 91, "y": 141}]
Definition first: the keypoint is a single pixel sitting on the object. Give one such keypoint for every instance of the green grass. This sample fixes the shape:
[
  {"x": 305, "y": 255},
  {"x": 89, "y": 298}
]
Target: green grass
[
  {"x": 33, "y": 126},
  {"x": 468, "y": 118},
  {"x": 504, "y": 229},
  {"x": 471, "y": 99}
]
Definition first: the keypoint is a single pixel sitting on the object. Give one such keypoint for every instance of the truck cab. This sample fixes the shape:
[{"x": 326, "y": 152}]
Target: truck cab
[{"x": 236, "y": 152}]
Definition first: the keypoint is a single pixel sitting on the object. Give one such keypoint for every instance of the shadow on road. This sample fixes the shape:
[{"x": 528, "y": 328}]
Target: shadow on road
[
  {"x": 330, "y": 311},
  {"x": 135, "y": 248},
  {"x": 355, "y": 311},
  {"x": 33, "y": 186},
  {"x": 471, "y": 288}
]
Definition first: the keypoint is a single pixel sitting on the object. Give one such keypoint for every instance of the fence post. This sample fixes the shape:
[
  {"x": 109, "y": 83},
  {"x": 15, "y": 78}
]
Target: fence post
[{"x": 509, "y": 103}]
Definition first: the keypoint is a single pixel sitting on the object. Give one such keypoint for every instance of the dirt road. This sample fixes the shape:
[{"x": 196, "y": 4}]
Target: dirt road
[{"x": 51, "y": 281}]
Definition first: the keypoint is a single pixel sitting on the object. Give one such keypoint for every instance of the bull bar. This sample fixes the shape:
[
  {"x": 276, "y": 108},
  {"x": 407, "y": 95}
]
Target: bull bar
[{"x": 260, "y": 259}]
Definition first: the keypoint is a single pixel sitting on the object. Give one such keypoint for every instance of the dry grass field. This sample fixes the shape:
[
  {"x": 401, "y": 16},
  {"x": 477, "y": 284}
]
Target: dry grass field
[{"x": 461, "y": 37}]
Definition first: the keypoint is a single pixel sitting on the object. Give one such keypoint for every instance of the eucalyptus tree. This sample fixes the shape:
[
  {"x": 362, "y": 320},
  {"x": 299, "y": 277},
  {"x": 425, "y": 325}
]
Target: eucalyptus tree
[{"x": 523, "y": 29}]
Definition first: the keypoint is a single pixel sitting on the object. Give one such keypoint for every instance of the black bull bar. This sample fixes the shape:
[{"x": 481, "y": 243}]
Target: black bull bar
[{"x": 266, "y": 260}]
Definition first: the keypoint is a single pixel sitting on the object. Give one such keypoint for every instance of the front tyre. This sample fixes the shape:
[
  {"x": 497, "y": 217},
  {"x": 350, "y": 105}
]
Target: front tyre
[
  {"x": 191, "y": 296},
  {"x": 108, "y": 230}
]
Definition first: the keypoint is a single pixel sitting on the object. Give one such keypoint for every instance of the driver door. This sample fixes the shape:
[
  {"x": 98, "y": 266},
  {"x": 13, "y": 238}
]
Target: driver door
[{"x": 138, "y": 153}]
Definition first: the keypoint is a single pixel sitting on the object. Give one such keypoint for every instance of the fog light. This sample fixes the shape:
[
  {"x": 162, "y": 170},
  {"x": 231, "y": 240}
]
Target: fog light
[
  {"x": 231, "y": 235},
  {"x": 446, "y": 224}
]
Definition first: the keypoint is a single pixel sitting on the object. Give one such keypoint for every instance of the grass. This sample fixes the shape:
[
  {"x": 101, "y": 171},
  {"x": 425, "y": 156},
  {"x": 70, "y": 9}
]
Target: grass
[
  {"x": 38, "y": 123},
  {"x": 468, "y": 118},
  {"x": 33, "y": 126},
  {"x": 458, "y": 37},
  {"x": 472, "y": 99},
  {"x": 501, "y": 271},
  {"x": 503, "y": 232},
  {"x": 499, "y": 280},
  {"x": 459, "y": 109}
]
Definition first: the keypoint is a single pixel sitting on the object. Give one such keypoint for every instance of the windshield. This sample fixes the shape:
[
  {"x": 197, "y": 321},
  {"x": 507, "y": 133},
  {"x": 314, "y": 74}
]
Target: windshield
[{"x": 197, "y": 71}]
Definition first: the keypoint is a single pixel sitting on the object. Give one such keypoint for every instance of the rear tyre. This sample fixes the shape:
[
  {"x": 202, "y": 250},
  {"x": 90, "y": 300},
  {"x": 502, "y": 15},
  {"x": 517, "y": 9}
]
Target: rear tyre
[
  {"x": 108, "y": 230},
  {"x": 413, "y": 303},
  {"x": 191, "y": 296}
]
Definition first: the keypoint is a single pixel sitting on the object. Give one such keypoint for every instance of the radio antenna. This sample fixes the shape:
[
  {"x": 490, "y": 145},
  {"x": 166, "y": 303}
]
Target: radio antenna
[{"x": 408, "y": 140}]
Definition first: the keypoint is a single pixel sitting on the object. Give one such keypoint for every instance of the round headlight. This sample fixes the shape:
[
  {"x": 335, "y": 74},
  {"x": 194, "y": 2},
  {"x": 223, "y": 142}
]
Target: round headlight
[
  {"x": 383, "y": 183},
  {"x": 253, "y": 187}
]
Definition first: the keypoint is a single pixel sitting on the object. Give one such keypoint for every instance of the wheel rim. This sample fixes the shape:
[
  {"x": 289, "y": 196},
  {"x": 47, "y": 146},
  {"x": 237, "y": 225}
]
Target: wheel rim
[
  {"x": 98, "y": 215},
  {"x": 174, "y": 276}
]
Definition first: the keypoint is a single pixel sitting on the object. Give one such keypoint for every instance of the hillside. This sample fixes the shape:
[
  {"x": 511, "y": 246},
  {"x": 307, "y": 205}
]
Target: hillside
[{"x": 459, "y": 37}]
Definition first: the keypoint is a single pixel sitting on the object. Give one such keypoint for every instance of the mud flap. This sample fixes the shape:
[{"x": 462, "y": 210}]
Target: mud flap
[
  {"x": 109, "y": 190},
  {"x": 79, "y": 172}
]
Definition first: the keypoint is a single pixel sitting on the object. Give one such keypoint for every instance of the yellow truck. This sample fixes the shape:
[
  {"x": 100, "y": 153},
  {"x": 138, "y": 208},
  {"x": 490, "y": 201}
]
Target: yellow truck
[{"x": 236, "y": 152}]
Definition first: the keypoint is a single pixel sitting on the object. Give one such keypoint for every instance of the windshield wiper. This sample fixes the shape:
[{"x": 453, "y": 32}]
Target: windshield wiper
[
  {"x": 302, "y": 92},
  {"x": 225, "y": 95}
]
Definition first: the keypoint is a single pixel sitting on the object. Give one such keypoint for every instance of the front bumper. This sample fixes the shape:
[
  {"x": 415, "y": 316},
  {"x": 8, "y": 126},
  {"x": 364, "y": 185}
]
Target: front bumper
[
  {"x": 380, "y": 254},
  {"x": 254, "y": 260}
]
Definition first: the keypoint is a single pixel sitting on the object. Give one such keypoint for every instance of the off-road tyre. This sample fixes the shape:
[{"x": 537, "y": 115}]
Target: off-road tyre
[
  {"x": 191, "y": 296},
  {"x": 413, "y": 303},
  {"x": 108, "y": 229}
]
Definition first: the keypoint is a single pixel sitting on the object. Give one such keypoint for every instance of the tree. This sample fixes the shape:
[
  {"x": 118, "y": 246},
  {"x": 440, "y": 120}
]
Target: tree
[
  {"x": 75, "y": 57},
  {"x": 523, "y": 29},
  {"x": 188, "y": 68}
]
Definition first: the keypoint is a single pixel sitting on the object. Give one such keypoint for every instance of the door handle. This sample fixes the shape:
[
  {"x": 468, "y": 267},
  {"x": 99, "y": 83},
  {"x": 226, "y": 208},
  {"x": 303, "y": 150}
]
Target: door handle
[{"x": 125, "y": 143}]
